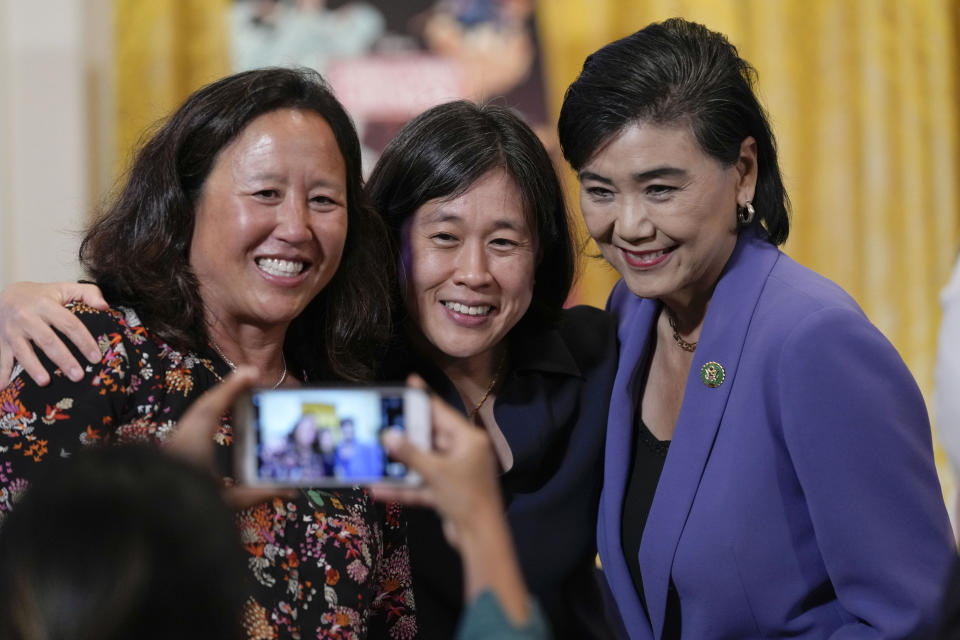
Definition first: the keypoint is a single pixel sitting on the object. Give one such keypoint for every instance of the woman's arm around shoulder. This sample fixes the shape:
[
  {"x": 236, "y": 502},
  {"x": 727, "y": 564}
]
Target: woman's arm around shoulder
[
  {"x": 30, "y": 315},
  {"x": 857, "y": 431},
  {"x": 38, "y": 424}
]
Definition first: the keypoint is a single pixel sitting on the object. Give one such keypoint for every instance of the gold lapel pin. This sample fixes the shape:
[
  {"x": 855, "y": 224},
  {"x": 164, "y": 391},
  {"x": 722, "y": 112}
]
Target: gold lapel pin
[{"x": 712, "y": 374}]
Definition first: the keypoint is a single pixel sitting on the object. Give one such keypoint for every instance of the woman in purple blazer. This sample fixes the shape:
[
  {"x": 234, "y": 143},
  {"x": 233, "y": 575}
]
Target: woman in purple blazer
[{"x": 769, "y": 469}]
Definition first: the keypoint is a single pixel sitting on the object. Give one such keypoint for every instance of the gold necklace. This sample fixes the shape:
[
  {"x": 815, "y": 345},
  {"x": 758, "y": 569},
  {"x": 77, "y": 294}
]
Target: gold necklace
[
  {"x": 486, "y": 394},
  {"x": 683, "y": 344},
  {"x": 233, "y": 367}
]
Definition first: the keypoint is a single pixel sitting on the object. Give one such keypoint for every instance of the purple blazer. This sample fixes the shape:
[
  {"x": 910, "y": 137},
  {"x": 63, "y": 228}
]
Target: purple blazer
[{"x": 799, "y": 497}]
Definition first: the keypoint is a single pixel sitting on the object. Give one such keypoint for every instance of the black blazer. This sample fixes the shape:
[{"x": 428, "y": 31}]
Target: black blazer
[{"x": 552, "y": 409}]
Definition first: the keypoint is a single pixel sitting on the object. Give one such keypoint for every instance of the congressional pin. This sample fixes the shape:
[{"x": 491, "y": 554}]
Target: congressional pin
[{"x": 712, "y": 374}]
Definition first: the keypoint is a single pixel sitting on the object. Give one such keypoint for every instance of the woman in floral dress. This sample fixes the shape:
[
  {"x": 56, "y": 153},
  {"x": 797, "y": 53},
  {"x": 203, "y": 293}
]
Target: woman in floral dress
[{"x": 240, "y": 233}]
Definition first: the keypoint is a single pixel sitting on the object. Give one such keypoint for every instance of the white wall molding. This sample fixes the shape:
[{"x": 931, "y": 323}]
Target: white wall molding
[{"x": 54, "y": 56}]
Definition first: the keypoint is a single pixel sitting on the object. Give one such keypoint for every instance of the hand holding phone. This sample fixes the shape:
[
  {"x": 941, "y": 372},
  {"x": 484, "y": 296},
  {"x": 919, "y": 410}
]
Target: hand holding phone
[
  {"x": 460, "y": 473},
  {"x": 193, "y": 439},
  {"x": 461, "y": 483},
  {"x": 326, "y": 436}
]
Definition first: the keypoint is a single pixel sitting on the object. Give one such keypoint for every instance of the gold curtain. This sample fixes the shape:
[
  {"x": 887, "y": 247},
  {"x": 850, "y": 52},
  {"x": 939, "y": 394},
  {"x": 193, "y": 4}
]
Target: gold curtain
[
  {"x": 863, "y": 100},
  {"x": 165, "y": 49},
  {"x": 862, "y": 95}
]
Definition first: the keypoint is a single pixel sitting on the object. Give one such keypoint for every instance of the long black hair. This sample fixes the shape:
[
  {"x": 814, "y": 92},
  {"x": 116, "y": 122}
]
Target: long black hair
[{"x": 138, "y": 251}]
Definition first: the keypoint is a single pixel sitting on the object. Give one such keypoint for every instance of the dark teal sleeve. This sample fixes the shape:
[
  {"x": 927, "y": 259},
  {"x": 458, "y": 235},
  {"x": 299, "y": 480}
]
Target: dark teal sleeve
[{"x": 484, "y": 619}]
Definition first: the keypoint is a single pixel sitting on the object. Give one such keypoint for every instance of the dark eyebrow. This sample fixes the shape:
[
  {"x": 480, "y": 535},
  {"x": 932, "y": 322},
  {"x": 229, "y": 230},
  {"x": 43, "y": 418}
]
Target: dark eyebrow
[
  {"x": 330, "y": 184},
  {"x": 269, "y": 176},
  {"x": 651, "y": 174},
  {"x": 503, "y": 223},
  {"x": 589, "y": 175},
  {"x": 441, "y": 216}
]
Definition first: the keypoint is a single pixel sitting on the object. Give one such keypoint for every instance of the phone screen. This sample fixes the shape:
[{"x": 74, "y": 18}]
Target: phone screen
[{"x": 315, "y": 435}]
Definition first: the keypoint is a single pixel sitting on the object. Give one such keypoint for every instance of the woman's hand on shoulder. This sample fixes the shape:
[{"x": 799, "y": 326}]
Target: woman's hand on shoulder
[{"x": 29, "y": 313}]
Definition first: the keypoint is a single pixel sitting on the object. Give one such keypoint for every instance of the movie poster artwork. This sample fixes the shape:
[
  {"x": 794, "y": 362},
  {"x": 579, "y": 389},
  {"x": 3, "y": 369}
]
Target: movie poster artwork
[{"x": 389, "y": 60}]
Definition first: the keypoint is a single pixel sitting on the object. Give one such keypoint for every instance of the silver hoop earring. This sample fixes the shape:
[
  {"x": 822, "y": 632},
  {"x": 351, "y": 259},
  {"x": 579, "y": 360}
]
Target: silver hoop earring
[{"x": 746, "y": 214}]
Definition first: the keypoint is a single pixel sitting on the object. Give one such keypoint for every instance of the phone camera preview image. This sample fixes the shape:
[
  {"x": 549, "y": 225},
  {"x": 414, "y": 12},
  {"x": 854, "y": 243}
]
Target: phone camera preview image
[{"x": 325, "y": 436}]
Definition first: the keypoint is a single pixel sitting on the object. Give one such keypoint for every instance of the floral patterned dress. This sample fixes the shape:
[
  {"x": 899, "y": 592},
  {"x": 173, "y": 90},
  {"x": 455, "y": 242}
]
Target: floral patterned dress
[{"x": 327, "y": 564}]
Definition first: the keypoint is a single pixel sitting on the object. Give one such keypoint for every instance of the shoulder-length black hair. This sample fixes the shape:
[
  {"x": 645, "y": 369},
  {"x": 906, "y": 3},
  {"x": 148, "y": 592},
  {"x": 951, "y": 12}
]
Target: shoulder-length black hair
[
  {"x": 677, "y": 72},
  {"x": 444, "y": 151},
  {"x": 138, "y": 252}
]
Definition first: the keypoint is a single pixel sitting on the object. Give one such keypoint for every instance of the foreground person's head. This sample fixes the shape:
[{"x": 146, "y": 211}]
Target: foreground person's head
[{"x": 121, "y": 542}]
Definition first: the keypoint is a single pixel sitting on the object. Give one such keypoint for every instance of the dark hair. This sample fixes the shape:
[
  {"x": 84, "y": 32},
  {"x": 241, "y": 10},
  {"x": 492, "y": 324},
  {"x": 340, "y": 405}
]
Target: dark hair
[
  {"x": 676, "y": 72},
  {"x": 121, "y": 542},
  {"x": 292, "y": 434},
  {"x": 138, "y": 252},
  {"x": 442, "y": 152}
]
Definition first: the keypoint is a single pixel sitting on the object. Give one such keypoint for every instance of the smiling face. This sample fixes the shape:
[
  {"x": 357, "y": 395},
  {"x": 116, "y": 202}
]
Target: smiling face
[
  {"x": 470, "y": 267},
  {"x": 271, "y": 221},
  {"x": 663, "y": 212}
]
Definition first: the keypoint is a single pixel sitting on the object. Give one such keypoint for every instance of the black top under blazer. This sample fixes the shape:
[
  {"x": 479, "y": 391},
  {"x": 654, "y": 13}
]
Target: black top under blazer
[{"x": 552, "y": 410}]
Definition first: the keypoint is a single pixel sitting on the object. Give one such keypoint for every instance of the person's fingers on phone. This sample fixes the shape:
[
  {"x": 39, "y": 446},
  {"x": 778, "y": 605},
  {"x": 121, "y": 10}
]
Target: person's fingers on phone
[
  {"x": 416, "y": 382},
  {"x": 243, "y": 497},
  {"x": 402, "y": 450},
  {"x": 450, "y": 532},
  {"x": 470, "y": 475},
  {"x": 448, "y": 424},
  {"x": 426, "y": 463},
  {"x": 193, "y": 438}
]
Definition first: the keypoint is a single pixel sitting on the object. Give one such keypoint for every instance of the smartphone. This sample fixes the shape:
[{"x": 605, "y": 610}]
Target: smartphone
[{"x": 326, "y": 436}]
